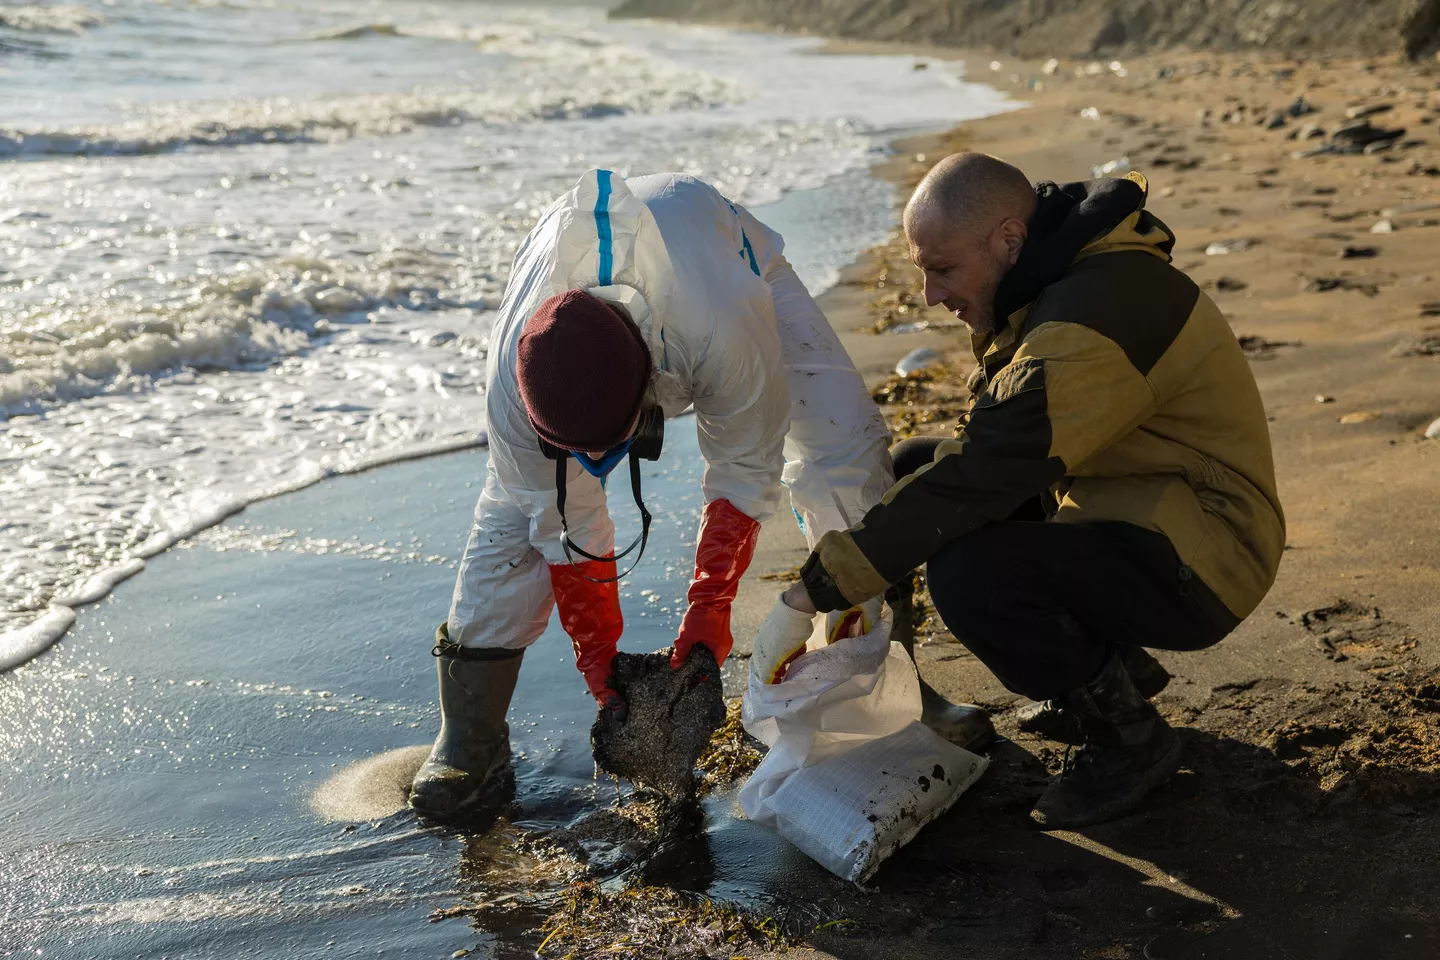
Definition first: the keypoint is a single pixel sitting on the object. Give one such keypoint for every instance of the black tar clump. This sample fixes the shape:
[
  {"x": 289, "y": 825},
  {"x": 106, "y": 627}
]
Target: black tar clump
[{"x": 667, "y": 726}]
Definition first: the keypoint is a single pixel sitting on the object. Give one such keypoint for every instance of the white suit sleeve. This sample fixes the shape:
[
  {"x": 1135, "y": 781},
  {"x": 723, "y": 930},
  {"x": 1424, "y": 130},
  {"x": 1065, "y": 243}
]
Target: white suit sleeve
[
  {"x": 742, "y": 412},
  {"x": 837, "y": 447}
]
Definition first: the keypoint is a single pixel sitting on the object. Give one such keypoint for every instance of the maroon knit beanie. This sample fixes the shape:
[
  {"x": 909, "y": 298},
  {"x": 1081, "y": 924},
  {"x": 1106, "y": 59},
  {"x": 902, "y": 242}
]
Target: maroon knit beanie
[{"x": 583, "y": 368}]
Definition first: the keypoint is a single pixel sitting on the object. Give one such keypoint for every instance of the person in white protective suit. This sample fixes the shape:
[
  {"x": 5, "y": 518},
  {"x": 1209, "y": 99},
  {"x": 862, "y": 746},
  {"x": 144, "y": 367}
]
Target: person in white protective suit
[{"x": 629, "y": 302}]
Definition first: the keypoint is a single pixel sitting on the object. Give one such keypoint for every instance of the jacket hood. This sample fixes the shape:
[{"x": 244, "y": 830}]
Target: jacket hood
[{"x": 1074, "y": 220}]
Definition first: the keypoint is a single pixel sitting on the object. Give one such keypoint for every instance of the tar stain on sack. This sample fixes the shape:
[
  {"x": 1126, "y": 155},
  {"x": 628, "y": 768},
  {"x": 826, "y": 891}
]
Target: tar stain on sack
[{"x": 666, "y": 726}]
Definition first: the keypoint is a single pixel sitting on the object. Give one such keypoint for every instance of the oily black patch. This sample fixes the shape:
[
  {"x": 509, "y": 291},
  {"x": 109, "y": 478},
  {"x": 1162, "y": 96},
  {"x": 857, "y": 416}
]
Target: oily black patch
[
  {"x": 1132, "y": 297},
  {"x": 667, "y": 722}
]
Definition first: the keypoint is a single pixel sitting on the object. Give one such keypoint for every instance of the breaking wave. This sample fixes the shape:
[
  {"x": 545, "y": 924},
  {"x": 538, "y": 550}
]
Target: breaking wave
[
  {"x": 555, "y": 79},
  {"x": 58, "y": 19}
]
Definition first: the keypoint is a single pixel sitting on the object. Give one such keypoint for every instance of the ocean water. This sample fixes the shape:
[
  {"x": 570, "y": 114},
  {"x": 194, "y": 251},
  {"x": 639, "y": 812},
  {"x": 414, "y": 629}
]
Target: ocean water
[{"x": 247, "y": 245}]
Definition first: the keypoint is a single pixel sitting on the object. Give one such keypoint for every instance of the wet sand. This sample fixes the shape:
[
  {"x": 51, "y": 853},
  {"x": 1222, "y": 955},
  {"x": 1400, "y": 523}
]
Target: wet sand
[{"x": 1302, "y": 823}]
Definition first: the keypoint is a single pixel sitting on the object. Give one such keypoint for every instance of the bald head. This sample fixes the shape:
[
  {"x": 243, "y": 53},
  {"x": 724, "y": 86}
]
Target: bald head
[
  {"x": 967, "y": 223},
  {"x": 969, "y": 192}
]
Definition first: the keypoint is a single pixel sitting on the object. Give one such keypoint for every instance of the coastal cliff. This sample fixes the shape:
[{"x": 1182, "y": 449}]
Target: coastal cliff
[{"x": 1043, "y": 28}]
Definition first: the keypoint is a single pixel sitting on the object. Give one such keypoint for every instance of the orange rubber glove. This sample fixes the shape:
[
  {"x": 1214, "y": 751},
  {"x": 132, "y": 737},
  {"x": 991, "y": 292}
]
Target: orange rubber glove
[
  {"x": 590, "y": 614},
  {"x": 727, "y": 543}
]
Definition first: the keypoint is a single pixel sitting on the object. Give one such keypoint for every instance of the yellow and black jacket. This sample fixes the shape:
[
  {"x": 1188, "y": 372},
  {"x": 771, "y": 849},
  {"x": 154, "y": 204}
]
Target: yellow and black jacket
[{"x": 1116, "y": 384}]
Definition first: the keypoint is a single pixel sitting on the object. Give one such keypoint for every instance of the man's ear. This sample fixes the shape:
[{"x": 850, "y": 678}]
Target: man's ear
[{"x": 1012, "y": 235}]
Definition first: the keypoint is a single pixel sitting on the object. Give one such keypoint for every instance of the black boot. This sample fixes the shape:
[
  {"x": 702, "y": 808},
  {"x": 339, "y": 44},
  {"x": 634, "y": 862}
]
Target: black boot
[
  {"x": 1050, "y": 719},
  {"x": 963, "y": 724},
  {"x": 1129, "y": 750},
  {"x": 474, "y": 740}
]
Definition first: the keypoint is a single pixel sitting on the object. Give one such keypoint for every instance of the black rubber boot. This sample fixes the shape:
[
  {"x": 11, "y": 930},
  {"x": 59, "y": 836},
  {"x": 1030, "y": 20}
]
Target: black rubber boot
[
  {"x": 474, "y": 740},
  {"x": 963, "y": 724},
  {"x": 1050, "y": 719},
  {"x": 1129, "y": 751}
]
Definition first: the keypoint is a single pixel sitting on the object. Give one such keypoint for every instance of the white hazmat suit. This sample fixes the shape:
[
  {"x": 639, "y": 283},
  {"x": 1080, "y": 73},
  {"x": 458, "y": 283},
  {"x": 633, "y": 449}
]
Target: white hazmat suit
[{"x": 731, "y": 331}]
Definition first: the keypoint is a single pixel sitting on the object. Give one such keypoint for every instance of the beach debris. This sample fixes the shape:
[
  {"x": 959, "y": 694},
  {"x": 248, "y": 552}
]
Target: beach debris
[
  {"x": 733, "y": 754},
  {"x": 1362, "y": 133},
  {"x": 1359, "y": 253},
  {"x": 916, "y": 361},
  {"x": 1230, "y": 284},
  {"x": 1424, "y": 347},
  {"x": 1090, "y": 113},
  {"x": 920, "y": 65},
  {"x": 638, "y": 921},
  {"x": 1368, "y": 110},
  {"x": 1051, "y": 67},
  {"x": 1256, "y": 346},
  {"x": 1404, "y": 208},
  {"x": 996, "y": 65},
  {"x": 1383, "y": 226},
  {"x": 1432, "y": 432},
  {"x": 1324, "y": 398},
  {"x": 1308, "y": 131},
  {"x": 1112, "y": 168},
  {"x": 901, "y": 390},
  {"x": 1220, "y": 248},
  {"x": 666, "y": 726},
  {"x": 1326, "y": 284},
  {"x": 1359, "y": 416},
  {"x": 920, "y": 326},
  {"x": 1092, "y": 69}
]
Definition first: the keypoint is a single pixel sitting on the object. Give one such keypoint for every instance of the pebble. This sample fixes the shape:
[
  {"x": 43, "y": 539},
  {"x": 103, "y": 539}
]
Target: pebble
[
  {"x": 1383, "y": 226},
  {"x": 1322, "y": 398},
  {"x": 1221, "y": 247},
  {"x": 1300, "y": 107},
  {"x": 1432, "y": 432},
  {"x": 1359, "y": 416},
  {"x": 1090, "y": 113},
  {"x": 917, "y": 360},
  {"x": 1368, "y": 110}
]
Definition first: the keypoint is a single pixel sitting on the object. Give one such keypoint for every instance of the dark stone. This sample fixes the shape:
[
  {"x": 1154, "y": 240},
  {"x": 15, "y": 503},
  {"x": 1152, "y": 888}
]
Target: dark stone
[
  {"x": 1359, "y": 253},
  {"x": 666, "y": 726}
]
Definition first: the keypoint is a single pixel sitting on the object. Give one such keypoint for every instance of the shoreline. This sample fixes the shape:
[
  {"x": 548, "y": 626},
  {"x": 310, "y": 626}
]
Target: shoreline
[{"x": 1309, "y": 753}]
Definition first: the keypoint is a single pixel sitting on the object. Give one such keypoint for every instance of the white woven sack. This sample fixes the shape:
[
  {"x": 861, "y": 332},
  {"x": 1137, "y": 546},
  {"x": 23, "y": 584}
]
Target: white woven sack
[{"x": 850, "y": 776}]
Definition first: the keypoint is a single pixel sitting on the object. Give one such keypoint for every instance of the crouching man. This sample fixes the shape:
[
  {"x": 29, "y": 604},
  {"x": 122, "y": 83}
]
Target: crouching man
[
  {"x": 1112, "y": 487},
  {"x": 630, "y": 301}
]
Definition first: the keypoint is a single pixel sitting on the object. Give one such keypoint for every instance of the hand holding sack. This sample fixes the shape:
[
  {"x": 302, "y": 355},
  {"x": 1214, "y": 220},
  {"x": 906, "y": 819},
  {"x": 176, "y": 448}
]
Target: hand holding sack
[
  {"x": 725, "y": 548},
  {"x": 590, "y": 614},
  {"x": 851, "y": 774}
]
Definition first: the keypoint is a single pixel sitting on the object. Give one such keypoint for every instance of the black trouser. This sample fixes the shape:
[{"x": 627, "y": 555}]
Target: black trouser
[{"x": 1041, "y": 603}]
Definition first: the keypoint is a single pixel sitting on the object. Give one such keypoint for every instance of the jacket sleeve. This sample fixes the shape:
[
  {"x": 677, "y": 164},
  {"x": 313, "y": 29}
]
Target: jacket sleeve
[
  {"x": 742, "y": 410},
  {"x": 1068, "y": 392},
  {"x": 742, "y": 414}
]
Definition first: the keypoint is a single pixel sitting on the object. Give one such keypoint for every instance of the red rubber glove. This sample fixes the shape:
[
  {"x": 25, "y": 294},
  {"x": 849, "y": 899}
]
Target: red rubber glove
[
  {"x": 590, "y": 614},
  {"x": 727, "y": 542}
]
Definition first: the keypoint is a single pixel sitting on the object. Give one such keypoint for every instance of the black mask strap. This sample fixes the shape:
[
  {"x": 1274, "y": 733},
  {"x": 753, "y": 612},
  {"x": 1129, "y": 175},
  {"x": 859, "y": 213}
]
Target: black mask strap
[{"x": 572, "y": 548}]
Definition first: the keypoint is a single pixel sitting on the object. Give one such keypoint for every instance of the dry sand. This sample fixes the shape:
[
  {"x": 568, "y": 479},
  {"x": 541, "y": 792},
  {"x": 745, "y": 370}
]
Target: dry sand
[{"x": 1304, "y": 822}]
